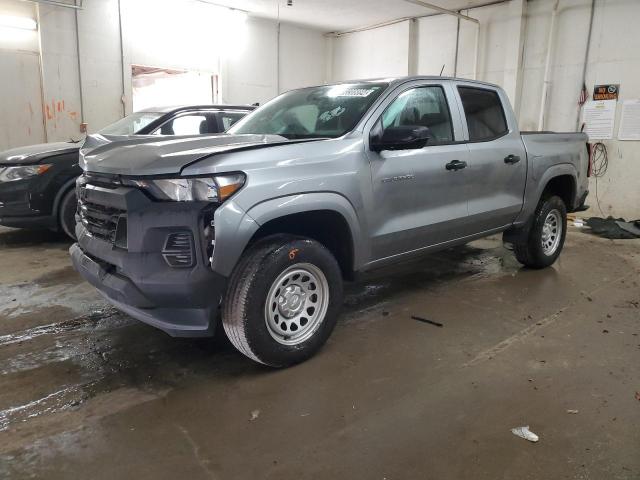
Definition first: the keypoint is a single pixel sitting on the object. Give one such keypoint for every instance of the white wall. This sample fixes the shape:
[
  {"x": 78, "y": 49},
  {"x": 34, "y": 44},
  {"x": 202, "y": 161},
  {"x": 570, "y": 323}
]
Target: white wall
[
  {"x": 423, "y": 48},
  {"x": 302, "y": 57},
  {"x": 21, "y": 115},
  {"x": 436, "y": 45},
  {"x": 614, "y": 58},
  {"x": 256, "y": 62},
  {"x": 60, "y": 69},
  {"x": 513, "y": 45},
  {"x": 382, "y": 52},
  {"x": 100, "y": 62},
  {"x": 184, "y": 34},
  {"x": 250, "y": 74}
]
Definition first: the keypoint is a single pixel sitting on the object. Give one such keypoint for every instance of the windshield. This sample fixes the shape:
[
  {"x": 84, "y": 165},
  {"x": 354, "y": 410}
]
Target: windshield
[
  {"x": 131, "y": 124},
  {"x": 327, "y": 111}
]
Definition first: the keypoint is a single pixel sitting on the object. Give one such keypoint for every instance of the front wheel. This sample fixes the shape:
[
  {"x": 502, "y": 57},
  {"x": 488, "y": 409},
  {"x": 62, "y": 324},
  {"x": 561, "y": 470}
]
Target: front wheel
[
  {"x": 283, "y": 300},
  {"x": 546, "y": 236}
]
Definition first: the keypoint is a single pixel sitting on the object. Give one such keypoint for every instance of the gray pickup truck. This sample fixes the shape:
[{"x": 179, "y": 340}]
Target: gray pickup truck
[{"x": 257, "y": 228}]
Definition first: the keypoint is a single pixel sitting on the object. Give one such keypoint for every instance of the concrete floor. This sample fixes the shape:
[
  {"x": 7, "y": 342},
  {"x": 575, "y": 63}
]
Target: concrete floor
[{"x": 86, "y": 392}]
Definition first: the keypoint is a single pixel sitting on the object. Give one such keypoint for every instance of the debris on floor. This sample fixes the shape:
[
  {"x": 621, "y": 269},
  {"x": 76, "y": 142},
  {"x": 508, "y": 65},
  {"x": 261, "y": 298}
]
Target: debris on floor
[
  {"x": 573, "y": 412},
  {"x": 638, "y": 396},
  {"x": 524, "y": 432},
  {"x": 254, "y": 415},
  {"x": 614, "y": 228},
  {"x": 575, "y": 221},
  {"x": 426, "y": 320}
]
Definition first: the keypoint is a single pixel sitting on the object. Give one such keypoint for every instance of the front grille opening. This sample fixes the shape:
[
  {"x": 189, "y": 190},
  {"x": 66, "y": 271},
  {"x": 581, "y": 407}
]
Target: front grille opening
[
  {"x": 101, "y": 221},
  {"x": 120, "y": 240}
]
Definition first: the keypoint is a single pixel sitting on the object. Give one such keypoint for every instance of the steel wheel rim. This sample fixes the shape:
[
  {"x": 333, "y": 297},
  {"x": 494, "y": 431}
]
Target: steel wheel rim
[
  {"x": 296, "y": 304},
  {"x": 551, "y": 232}
]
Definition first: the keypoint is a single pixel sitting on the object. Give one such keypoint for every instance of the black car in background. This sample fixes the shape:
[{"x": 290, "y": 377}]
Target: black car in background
[{"x": 37, "y": 182}]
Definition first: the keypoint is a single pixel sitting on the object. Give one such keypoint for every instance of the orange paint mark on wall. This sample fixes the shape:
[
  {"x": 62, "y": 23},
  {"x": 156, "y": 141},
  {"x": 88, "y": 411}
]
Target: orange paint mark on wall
[
  {"x": 73, "y": 115},
  {"x": 59, "y": 106},
  {"x": 48, "y": 112}
]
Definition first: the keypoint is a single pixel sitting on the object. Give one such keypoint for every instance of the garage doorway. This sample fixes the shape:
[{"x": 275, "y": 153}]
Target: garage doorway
[{"x": 160, "y": 87}]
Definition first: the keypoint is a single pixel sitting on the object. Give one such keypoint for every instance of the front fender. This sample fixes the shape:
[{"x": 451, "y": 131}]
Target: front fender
[{"x": 235, "y": 228}]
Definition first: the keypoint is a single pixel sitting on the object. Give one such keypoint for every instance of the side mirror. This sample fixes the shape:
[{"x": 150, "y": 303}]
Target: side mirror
[{"x": 403, "y": 137}]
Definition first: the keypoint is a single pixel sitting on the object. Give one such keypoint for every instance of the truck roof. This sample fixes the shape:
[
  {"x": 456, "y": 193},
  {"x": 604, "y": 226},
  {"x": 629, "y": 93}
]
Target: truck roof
[{"x": 393, "y": 81}]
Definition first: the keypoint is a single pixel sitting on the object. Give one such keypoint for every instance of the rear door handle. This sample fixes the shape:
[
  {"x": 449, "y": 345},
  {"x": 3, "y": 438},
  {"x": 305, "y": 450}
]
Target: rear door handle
[
  {"x": 455, "y": 165},
  {"x": 511, "y": 159}
]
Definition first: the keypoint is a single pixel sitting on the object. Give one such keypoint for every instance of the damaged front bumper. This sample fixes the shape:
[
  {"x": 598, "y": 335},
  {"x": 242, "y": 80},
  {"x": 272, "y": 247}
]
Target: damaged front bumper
[{"x": 149, "y": 259}]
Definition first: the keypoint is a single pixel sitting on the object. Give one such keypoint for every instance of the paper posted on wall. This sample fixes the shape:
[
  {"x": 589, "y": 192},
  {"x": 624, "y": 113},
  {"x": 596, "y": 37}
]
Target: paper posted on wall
[
  {"x": 599, "y": 117},
  {"x": 630, "y": 120}
]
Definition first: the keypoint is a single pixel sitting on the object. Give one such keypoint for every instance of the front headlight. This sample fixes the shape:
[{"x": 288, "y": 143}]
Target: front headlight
[
  {"x": 208, "y": 189},
  {"x": 10, "y": 174}
]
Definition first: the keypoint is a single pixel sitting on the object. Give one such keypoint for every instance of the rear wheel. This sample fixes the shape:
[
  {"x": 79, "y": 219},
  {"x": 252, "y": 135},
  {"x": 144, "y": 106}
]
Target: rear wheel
[
  {"x": 283, "y": 300},
  {"x": 67, "y": 213},
  {"x": 546, "y": 236}
]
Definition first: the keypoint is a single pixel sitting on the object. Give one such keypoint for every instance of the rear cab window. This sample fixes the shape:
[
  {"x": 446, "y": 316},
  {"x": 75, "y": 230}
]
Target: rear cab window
[{"x": 484, "y": 113}]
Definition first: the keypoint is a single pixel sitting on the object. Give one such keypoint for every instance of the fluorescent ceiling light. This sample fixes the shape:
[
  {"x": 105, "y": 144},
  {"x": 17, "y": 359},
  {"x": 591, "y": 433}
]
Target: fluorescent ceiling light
[{"x": 22, "y": 23}]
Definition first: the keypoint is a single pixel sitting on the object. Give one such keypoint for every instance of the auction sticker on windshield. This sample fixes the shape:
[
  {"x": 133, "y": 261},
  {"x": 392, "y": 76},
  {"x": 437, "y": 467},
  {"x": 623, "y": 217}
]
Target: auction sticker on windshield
[{"x": 357, "y": 92}]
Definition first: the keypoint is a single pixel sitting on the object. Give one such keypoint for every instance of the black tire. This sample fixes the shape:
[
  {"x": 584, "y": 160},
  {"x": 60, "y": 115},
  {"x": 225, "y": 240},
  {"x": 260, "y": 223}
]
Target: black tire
[
  {"x": 245, "y": 311},
  {"x": 531, "y": 253},
  {"x": 67, "y": 213}
]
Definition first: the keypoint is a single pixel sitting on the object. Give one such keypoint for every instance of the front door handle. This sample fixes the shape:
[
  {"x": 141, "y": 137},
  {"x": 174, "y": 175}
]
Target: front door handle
[
  {"x": 455, "y": 165},
  {"x": 511, "y": 159}
]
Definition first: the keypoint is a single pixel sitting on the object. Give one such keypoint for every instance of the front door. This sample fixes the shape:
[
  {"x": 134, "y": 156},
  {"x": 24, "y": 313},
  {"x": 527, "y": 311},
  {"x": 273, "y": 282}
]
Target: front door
[{"x": 419, "y": 196}]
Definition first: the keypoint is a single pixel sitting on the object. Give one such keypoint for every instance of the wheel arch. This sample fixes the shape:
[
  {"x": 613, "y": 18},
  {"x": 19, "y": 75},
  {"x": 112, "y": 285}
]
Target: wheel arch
[
  {"x": 558, "y": 180},
  {"x": 324, "y": 216}
]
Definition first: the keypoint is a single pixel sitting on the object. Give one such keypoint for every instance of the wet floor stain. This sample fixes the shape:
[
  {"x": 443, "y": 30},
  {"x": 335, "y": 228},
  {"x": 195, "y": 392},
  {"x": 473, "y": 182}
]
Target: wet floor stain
[
  {"x": 103, "y": 350},
  {"x": 62, "y": 276},
  {"x": 18, "y": 238},
  {"x": 67, "y": 358}
]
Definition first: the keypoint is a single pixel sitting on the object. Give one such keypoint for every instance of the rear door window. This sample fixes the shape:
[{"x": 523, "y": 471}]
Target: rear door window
[{"x": 484, "y": 113}]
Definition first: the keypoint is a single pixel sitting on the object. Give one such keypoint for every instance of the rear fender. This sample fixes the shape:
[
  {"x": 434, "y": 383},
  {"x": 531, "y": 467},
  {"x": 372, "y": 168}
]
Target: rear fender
[{"x": 536, "y": 186}]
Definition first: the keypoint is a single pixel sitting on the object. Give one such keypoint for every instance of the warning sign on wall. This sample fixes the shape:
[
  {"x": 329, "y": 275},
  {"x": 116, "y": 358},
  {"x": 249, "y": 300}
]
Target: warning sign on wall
[{"x": 606, "y": 92}]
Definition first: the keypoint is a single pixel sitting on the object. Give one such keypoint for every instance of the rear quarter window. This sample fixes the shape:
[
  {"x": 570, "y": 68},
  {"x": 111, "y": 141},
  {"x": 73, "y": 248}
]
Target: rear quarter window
[{"x": 484, "y": 113}]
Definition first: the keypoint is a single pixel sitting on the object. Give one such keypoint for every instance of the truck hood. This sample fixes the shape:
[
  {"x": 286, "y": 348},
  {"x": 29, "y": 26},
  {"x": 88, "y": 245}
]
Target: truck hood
[
  {"x": 36, "y": 153},
  {"x": 151, "y": 155}
]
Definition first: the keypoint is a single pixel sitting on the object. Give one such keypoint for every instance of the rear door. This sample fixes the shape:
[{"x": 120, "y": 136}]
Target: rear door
[
  {"x": 498, "y": 162},
  {"x": 417, "y": 201}
]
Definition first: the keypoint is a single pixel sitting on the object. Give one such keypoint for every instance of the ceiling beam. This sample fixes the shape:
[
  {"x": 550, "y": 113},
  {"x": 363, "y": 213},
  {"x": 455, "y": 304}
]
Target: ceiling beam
[
  {"x": 55, "y": 3},
  {"x": 442, "y": 10}
]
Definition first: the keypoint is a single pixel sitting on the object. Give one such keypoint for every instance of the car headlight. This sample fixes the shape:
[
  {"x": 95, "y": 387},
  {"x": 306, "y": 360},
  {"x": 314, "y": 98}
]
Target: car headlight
[
  {"x": 208, "y": 189},
  {"x": 10, "y": 174}
]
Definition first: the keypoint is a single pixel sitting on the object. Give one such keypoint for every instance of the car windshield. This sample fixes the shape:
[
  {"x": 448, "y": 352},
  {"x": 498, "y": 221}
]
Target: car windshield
[
  {"x": 131, "y": 124},
  {"x": 327, "y": 111}
]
